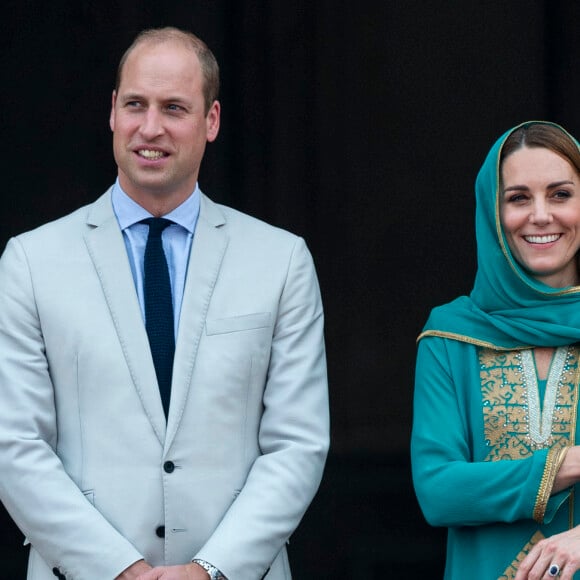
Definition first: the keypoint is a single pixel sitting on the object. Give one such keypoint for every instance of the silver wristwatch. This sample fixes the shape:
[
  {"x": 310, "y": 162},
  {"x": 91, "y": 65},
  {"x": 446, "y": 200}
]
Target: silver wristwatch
[{"x": 214, "y": 573}]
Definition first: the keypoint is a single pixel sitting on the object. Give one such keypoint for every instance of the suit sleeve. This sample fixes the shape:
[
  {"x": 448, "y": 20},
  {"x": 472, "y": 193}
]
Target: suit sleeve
[
  {"x": 453, "y": 487},
  {"x": 293, "y": 436},
  {"x": 67, "y": 531}
]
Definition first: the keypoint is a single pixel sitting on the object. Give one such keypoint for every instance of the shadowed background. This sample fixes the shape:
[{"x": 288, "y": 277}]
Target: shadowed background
[{"x": 358, "y": 125}]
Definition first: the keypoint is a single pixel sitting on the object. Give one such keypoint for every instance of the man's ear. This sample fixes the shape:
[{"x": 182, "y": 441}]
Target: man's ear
[
  {"x": 112, "y": 114},
  {"x": 213, "y": 121}
]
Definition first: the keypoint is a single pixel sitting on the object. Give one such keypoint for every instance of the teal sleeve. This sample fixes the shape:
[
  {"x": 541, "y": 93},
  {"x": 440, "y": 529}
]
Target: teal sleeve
[
  {"x": 455, "y": 486},
  {"x": 554, "y": 504}
]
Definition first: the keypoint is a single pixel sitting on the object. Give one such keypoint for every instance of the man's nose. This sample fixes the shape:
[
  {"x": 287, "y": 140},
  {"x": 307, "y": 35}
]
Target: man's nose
[{"x": 152, "y": 125}]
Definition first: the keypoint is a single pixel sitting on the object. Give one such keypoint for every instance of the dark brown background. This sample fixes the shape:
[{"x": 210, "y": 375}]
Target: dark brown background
[{"x": 359, "y": 125}]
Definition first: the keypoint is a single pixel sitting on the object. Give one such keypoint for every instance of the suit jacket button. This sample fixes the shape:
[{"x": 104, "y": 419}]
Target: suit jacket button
[
  {"x": 160, "y": 531},
  {"x": 169, "y": 467}
]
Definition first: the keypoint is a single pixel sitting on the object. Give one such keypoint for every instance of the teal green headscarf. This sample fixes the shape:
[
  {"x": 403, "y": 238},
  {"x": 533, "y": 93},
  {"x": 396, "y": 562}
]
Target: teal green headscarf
[{"x": 507, "y": 308}]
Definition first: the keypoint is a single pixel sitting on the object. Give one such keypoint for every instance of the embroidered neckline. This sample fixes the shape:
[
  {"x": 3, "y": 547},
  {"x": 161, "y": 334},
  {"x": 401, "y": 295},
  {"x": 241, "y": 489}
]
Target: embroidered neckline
[
  {"x": 540, "y": 419},
  {"x": 505, "y": 407}
]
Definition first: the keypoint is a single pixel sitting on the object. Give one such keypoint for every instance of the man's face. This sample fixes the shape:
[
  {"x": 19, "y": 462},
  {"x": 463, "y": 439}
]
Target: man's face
[{"x": 159, "y": 124}]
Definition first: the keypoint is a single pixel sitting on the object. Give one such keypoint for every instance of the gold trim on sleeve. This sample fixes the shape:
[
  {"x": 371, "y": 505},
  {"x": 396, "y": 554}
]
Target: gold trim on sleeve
[{"x": 554, "y": 461}]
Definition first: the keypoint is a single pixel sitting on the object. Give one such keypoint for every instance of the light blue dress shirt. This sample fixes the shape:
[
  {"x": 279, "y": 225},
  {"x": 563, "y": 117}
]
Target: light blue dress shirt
[{"x": 176, "y": 239}]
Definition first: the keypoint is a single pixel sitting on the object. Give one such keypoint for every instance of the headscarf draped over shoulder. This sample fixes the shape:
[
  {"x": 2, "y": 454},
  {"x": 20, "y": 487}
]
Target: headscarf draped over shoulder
[{"x": 507, "y": 308}]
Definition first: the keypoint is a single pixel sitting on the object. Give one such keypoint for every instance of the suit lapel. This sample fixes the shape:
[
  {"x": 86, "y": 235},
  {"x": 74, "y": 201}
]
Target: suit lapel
[
  {"x": 107, "y": 250},
  {"x": 209, "y": 245}
]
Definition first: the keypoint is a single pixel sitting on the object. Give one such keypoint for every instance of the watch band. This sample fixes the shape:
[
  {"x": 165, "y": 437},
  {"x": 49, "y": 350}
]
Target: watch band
[{"x": 214, "y": 573}]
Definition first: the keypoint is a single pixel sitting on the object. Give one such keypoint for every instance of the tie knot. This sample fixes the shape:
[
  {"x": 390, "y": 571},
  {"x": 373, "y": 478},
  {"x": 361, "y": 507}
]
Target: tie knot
[{"x": 156, "y": 225}]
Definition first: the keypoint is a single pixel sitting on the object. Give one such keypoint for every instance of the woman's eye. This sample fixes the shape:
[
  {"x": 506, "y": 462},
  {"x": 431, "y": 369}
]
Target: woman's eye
[
  {"x": 562, "y": 193},
  {"x": 515, "y": 197}
]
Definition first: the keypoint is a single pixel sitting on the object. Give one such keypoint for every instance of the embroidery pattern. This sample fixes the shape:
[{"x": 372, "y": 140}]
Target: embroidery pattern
[
  {"x": 511, "y": 571},
  {"x": 514, "y": 423}
]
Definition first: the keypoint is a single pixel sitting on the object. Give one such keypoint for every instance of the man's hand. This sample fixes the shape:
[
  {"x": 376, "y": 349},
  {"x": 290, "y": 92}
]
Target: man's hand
[
  {"x": 191, "y": 571},
  {"x": 134, "y": 571}
]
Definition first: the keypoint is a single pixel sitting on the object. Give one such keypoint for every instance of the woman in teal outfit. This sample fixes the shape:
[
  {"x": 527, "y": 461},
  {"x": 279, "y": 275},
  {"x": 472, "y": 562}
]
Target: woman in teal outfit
[{"x": 495, "y": 428}]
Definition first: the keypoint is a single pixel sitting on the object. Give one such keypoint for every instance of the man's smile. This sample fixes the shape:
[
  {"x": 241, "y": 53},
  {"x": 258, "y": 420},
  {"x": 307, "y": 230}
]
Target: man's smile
[{"x": 151, "y": 153}]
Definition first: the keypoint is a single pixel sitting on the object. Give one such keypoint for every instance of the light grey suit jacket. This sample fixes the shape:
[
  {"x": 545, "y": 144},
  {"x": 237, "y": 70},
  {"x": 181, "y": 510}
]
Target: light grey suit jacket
[{"x": 90, "y": 470}]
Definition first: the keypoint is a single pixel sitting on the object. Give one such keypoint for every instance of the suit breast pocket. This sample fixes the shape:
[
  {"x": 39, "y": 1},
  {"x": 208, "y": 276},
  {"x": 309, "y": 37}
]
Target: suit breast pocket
[
  {"x": 235, "y": 350},
  {"x": 238, "y": 323}
]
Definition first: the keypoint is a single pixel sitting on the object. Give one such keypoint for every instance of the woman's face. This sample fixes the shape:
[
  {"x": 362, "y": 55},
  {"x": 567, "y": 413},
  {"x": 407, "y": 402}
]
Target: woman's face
[{"x": 540, "y": 214}]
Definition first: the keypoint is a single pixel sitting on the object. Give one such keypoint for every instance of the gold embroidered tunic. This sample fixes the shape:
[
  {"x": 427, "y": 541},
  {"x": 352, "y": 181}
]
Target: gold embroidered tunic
[{"x": 488, "y": 439}]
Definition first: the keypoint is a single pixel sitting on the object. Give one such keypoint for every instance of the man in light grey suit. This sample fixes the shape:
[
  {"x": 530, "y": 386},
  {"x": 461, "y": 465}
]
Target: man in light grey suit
[{"x": 103, "y": 483}]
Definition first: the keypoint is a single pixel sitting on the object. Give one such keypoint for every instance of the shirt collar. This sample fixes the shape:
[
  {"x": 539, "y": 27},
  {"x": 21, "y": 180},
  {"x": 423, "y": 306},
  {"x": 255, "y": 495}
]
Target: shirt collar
[{"x": 129, "y": 212}]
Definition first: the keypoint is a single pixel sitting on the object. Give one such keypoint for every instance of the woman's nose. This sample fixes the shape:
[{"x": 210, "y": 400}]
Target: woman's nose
[{"x": 540, "y": 214}]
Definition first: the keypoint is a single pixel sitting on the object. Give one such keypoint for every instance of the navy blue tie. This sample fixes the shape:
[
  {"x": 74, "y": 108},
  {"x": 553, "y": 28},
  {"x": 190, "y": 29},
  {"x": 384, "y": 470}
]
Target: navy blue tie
[{"x": 159, "y": 308}]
